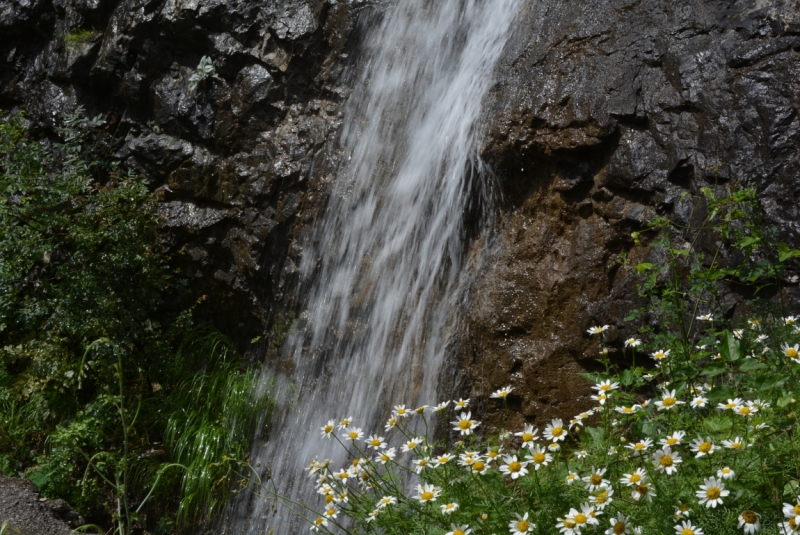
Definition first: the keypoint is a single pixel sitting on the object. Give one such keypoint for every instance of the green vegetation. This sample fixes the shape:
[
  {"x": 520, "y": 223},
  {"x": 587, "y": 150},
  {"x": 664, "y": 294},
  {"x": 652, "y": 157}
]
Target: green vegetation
[
  {"x": 691, "y": 433},
  {"x": 108, "y": 394},
  {"x": 79, "y": 37}
]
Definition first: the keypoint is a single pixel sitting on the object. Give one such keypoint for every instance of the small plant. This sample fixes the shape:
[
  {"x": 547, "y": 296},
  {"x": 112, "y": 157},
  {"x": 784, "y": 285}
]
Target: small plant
[
  {"x": 78, "y": 37},
  {"x": 697, "y": 439},
  {"x": 205, "y": 70}
]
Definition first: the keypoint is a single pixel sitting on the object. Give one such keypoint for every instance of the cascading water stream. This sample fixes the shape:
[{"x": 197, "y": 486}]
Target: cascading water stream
[{"x": 387, "y": 255}]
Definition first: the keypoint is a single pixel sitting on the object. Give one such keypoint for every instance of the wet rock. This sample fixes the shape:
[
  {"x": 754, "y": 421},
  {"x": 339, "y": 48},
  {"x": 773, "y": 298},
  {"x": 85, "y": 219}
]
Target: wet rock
[{"x": 26, "y": 513}]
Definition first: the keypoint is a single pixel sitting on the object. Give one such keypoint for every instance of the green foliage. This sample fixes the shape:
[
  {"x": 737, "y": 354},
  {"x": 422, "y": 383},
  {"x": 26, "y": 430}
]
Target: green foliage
[
  {"x": 107, "y": 394},
  {"x": 707, "y": 421},
  {"x": 79, "y": 37}
]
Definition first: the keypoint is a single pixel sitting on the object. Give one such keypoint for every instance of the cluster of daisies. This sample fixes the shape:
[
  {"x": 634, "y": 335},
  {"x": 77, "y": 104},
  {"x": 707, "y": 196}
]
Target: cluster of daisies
[{"x": 606, "y": 483}]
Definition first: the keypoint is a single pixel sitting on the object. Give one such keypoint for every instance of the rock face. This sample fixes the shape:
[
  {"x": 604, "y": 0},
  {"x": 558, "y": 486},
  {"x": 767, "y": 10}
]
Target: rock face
[
  {"x": 604, "y": 113},
  {"x": 232, "y": 153},
  {"x": 25, "y": 513}
]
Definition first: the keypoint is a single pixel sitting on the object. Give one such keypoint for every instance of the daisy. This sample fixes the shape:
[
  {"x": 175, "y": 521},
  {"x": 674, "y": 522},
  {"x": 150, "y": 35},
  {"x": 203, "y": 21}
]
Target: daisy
[
  {"x": 386, "y": 501},
  {"x": 789, "y": 320},
  {"x": 467, "y": 458},
  {"x": 442, "y": 460},
  {"x": 595, "y": 480},
  {"x": 725, "y": 473},
  {"x": 346, "y": 422},
  {"x": 754, "y": 323},
  {"x": 459, "y": 530},
  {"x": 514, "y": 467},
  {"x": 464, "y": 424},
  {"x": 400, "y": 411},
  {"x": 603, "y": 498},
  {"x": 375, "y": 442},
  {"x": 421, "y": 409},
  {"x": 502, "y": 393},
  {"x": 479, "y": 467},
  {"x": 386, "y": 456},
  {"x": 427, "y": 493},
  {"x": 320, "y": 522},
  {"x": 529, "y": 435},
  {"x": 449, "y": 508},
  {"x": 791, "y": 511},
  {"x": 793, "y": 352},
  {"x": 583, "y": 518},
  {"x": 582, "y": 454},
  {"x": 732, "y": 404},
  {"x": 328, "y": 428},
  {"x": 746, "y": 410},
  {"x": 634, "y": 478},
  {"x": 699, "y": 402},
  {"x": 411, "y": 444},
  {"x": 643, "y": 491},
  {"x": 539, "y": 457},
  {"x": 686, "y": 528},
  {"x": 633, "y": 342},
  {"x": 702, "y": 447},
  {"x": 521, "y": 525},
  {"x": 620, "y": 525},
  {"x": 738, "y": 333},
  {"x": 600, "y": 398},
  {"x": 554, "y": 447},
  {"x": 660, "y": 354},
  {"x": 572, "y": 477},
  {"x": 627, "y": 410},
  {"x": 673, "y": 440},
  {"x": 461, "y": 403},
  {"x": 555, "y": 431},
  {"x": 567, "y": 526},
  {"x": 666, "y": 460},
  {"x": 342, "y": 475},
  {"x": 421, "y": 464},
  {"x": 441, "y": 406},
  {"x": 605, "y": 386},
  {"x": 669, "y": 400},
  {"x": 597, "y": 330},
  {"x": 682, "y": 511},
  {"x": 761, "y": 338},
  {"x": 353, "y": 433},
  {"x": 711, "y": 492},
  {"x": 750, "y": 521},
  {"x": 642, "y": 445},
  {"x": 491, "y": 455},
  {"x": 390, "y": 423},
  {"x": 735, "y": 444},
  {"x": 705, "y": 317}
]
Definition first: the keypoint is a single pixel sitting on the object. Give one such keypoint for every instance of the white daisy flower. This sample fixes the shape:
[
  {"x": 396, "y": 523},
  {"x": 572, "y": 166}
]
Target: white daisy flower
[
  {"x": 449, "y": 508},
  {"x": 529, "y": 435},
  {"x": 668, "y": 400},
  {"x": 345, "y": 422},
  {"x": 711, "y": 492},
  {"x": 353, "y": 433},
  {"x": 572, "y": 477},
  {"x": 375, "y": 442},
  {"x": 442, "y": 460},
  {"x": 673, "y": 440},
  {"x": 400, "y": 411},
  {"x": 555, "y": 431},
  {"x": 513, "y": 467},
  {"x": 699, "y": 402},
  {"x": 441, "y": 406},
  {"x": 605, "y": 386},
  {"x": 459, "y": 530},
  {"x": 461, "y": 403},
  {"x": 597, "y": 329},
  {"x": 620, "y": 525},
  {"x": 667, "y": 460},
  {"x": 643, "y": 491},
  {"x": 386, "y": 501},
  {"x": 750, "y": 521},
  {"x": 595, "y": 480},
  {"x": 587, "y": 516},
  {"x": 386, "y": 456},
  {"x": 502, "y": 393},
  {"x": 633, "y": 342},
  {"x": 319, "y": 522},
  {"x": 705, "y": 317},
  {"x": 660, "y": 355},
  {"x": 328, "y": 428},
  {"x": 421, "y": 464},
  {"x": 412, "y": 444},
  {"x": 793, "y": 352},
  {"x": 581, "y": 454},
  {"x": 390, "y": 423},
  {"x": 687, "y": 528},
  {"x": 539, "y": 457},
  {"x": 725, "y": 473},
  {"x": 603, "y": 498},
  {"x": 641, "y": 446},
  {"x": 634, "y": 478},
  {"x": 702, "y": 447},
  {"x": 521, "y": 526},
  {"x": 427, "y": 493},
  {"x": 464, "y": 424},
  {"x": 735, "y": 444}
]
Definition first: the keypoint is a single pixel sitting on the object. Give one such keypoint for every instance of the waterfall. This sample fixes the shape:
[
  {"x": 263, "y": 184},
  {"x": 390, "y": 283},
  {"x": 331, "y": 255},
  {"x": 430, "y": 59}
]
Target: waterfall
[{"x": 386, "y": 256}]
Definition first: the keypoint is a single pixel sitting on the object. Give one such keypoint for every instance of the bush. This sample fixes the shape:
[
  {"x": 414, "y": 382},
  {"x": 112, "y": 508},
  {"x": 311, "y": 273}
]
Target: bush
[{"x": 697, "y": 439}]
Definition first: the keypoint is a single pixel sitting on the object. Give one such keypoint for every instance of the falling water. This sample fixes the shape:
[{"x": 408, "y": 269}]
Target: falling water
[{"x": 386, "y": 256}]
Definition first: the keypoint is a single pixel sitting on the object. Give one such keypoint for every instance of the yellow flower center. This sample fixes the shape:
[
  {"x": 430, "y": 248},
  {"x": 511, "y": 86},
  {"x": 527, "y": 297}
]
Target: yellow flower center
[
  {"x": 683, "y": 508},
  {"x": 375, "y": 443},
  {"x": 515, "y": 466},
  {"x": 328, "y": 429},
  {"x": 619, "y": 528},
  {"x": 797, "y": 509},
  {"x": 736, "y": 445},
  {"x": 627, "y": 410},
  {"x": 568, "y": 523},
  {"x": 478, "y": 466},
  {"x": 642, "y": 489},
  {"x": 385, "y": 458},
  {"x": 580, "y": 518},
  {"x": 744, "y": 410},
  {"x": 557, "y": 431},
  {"x": 666, "y": 461},
  {"x": 443, "y": 459},
  {"x": 596, "y": 479},
  {"x": 344, "y": 422},
  {"x": 602, "y": 497},
  {"x": 493, "y": 454},
  {"x": 793, "y": 522},
  {"x": 639, "y": 446},
  {"x": 458, "y": 532},
  {"x": 605, "y": 388},
  {"x": 353, "y": 435},
  {"x": 668, "y": 402},
  {"x": 412, "y": 445},
  {"x": 671, "y": 441},
  {"x": 791, "y": 353},
  {"x": 539, "y": 457},
  {"x": 527, "y": 437},
  {"x": 427, "y": 495},
  {"x": 464, "y": 424},
  {"x": 343, "y": 475},
  {"x": 523, "y": 526},
  {"x": 730, "y": 405},
  {"x": 704, "y": 447},
  {"x": 687, "y": 531},
  {"x": 328, "y": 498},
  {"x": 635, "y": 478},
  {"x": 319, "y": 521},
  {"x": 750, "y": 517},
  {"x": 401, "y": 411},
  {"x": 713, "y": 493}
]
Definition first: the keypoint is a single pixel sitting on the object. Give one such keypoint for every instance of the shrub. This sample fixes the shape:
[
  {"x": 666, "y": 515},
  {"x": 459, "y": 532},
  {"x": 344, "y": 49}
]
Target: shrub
[{"x": 697, "y": 439}]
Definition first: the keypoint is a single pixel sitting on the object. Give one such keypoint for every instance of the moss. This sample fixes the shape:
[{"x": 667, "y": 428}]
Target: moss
[{"x": 78, "y": 37}]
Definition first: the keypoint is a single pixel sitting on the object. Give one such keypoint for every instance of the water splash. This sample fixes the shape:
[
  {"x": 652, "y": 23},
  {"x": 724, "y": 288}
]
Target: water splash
[{"x": 386, "y": 256}]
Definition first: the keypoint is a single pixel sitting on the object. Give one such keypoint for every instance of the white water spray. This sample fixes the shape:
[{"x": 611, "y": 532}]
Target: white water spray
[{"x": 387, "y": 254}]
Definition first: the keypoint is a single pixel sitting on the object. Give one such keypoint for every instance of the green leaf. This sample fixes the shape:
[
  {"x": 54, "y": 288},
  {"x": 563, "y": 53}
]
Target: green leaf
[
  {"x": 714, "y": 369},
  {"x": 684, "y": 252},
  {"x": 752, "y": 364},
  {"x": 627, "y": 377},
  {"x": 720, "y": 393},
  {"x": 717, "y": 424},
  {"x": 784, "y": 401},
  {"x": 644, "y": 267},
  {"x": 597, "y": 434},
  {"x": 730, "y": 348}
]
